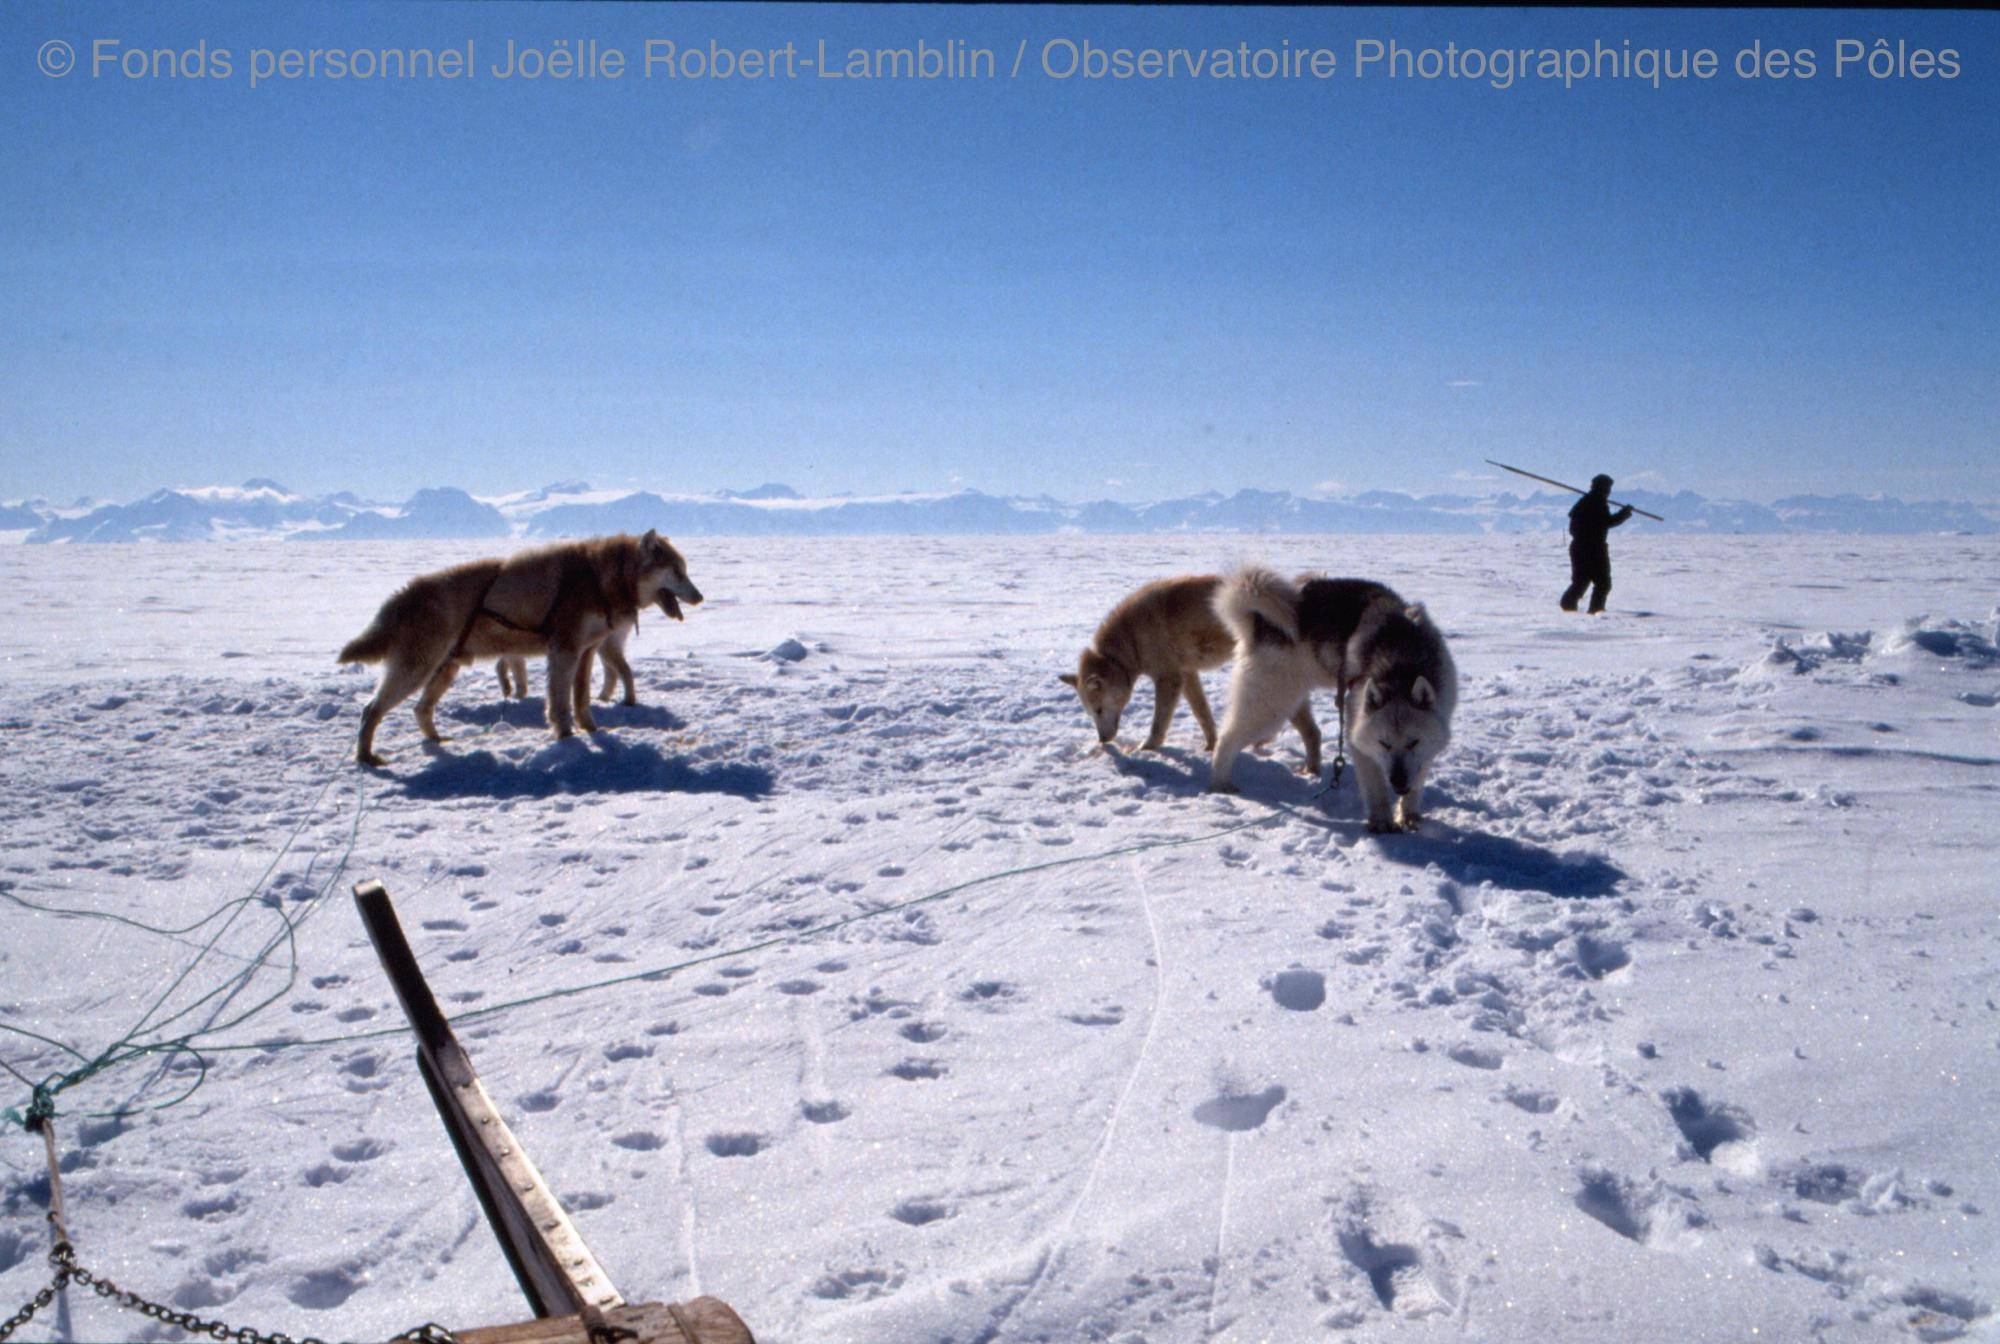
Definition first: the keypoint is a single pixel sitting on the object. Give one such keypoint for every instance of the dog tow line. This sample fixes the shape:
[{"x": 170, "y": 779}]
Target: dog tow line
[{"x": 66, "y": 1270}]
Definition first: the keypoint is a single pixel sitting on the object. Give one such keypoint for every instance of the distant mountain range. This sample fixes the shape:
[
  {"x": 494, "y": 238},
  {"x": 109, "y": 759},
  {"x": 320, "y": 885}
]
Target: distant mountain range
[{"x": 264, "y": 510}]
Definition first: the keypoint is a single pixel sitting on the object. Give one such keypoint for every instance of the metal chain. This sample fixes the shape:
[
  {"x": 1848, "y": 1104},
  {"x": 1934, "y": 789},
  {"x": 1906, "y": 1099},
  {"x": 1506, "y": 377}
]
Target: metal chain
[
  {"x": 63, "y": 1257},
  {"x": 27, "y": 1313}
]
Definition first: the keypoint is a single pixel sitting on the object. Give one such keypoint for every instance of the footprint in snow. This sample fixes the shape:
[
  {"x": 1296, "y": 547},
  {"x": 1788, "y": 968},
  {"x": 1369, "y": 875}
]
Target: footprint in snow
[
  {"x": 1823, "y": 1182},
  {"x": 200, "y": 1293},
  {"x": 208, "y": 1210},
  {"x": 1298, "y": 990},
  {"x": 1475, "y": 1056},
  {"x": 823, "y": 1112},
  {"x": 1108, "y": 1016},
  {"x": 324, "y": 1289},
  {"x": 1707, "y": 1126},
  {"x": 919, "y": 1212},
  {"x": 359, "y": 1150},
  {"x": 1529, "y": 1100},
  {"x": 1648, "y": 1214},
  {"x": 1600, "y": 957},
  {"x": 1613, "y": 1201},
  {"x": 851, "y": 1283},
  {"x": 1406, "y": 1264},
  {"x": 1237, "y": 1113},
  {"x": 987, "y": 991}
]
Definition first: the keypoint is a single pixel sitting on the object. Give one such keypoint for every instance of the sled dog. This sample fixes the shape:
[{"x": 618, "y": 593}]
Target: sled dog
[
  {"x": 1401, "y": 684},
  {"x": 1168, "y": 630},
  {"x": 514, "y": 670},
  {"x": 560, "y": 601}
]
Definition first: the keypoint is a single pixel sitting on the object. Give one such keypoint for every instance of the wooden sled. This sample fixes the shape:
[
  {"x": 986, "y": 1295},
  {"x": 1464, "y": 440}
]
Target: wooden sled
[{"x": 572, "y": 1298}]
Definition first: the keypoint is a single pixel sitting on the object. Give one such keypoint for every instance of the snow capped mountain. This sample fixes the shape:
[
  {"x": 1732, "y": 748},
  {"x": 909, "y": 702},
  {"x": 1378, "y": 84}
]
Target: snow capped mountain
[
  {"x": 263, "y": 509},
  {"x": 429, "y": 514},
  {"x": 258, "y": 508}
]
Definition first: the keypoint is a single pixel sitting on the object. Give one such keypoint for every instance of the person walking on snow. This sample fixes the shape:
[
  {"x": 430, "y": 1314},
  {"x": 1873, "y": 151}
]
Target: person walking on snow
[{"x": 1590, "y": 519}]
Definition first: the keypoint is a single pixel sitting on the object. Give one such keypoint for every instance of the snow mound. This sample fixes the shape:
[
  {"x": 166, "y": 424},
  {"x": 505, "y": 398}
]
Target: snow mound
[
  {"x": 1943, "y": 639},
  {"x": 1811, "y": 654},
  {"x": 790, "y": 651}
]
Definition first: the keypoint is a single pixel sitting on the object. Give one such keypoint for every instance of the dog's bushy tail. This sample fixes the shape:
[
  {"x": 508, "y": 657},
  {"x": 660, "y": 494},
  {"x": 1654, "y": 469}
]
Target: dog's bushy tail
[
  {"x": 370, "y": 646},
  {"x": 1255, "y": 592}
]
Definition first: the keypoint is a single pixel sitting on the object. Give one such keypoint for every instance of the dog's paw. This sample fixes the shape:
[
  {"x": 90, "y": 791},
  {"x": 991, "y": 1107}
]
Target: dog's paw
[
  {"x": 1383, "y": 826},
  {"x": 370, "y": 760},
  {"x": 1152, "y": 744},
  {"x": 1222, "y": 786}
]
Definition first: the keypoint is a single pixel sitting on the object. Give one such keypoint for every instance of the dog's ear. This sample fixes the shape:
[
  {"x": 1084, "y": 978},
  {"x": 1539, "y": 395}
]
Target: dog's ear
[
  {"x": 1423, "y": 695},
  {"x": 1372, "y": 694},
  {"x": 1415, "y": 611},
  {"x": 1067, "y": 678}
]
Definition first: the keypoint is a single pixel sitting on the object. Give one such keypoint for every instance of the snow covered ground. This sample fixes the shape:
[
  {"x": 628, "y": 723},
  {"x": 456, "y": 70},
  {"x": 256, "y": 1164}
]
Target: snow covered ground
[{"x": 1678, "y": 1021}]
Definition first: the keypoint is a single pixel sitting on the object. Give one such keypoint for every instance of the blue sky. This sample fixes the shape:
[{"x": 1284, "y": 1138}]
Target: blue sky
[{"x": 1091, "y": 288}]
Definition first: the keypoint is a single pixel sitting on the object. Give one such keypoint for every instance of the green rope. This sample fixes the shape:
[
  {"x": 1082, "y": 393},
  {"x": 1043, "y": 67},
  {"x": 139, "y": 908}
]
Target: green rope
[
  {"x": 658, "y": 973},
  {"x": 127, "y": 1048}
]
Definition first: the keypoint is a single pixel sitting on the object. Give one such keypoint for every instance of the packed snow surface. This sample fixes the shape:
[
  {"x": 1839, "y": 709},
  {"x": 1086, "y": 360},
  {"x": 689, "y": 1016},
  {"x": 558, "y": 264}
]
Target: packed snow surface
[{"x": 1677, "y": 1021}]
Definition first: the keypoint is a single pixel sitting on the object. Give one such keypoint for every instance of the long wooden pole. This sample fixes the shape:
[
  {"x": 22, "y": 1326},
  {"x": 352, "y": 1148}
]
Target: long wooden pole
[
  {"x": 556, "y": 1271},
  {"x": 1566, "y": 486}
]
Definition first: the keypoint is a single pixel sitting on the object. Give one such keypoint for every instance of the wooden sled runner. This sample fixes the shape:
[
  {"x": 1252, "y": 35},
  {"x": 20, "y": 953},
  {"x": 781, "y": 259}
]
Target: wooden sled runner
[{"x": 572, "y": 1298}]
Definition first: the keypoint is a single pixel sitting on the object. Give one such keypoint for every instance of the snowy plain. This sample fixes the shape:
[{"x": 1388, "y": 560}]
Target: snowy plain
[{"x": 1679, "y": 1021}]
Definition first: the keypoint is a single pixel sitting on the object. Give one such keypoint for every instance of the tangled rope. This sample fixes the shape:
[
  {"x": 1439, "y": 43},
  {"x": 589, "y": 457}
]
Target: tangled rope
[
  {"x": 145, "y": 1038},
  {"x": 127, "y": 1048}
]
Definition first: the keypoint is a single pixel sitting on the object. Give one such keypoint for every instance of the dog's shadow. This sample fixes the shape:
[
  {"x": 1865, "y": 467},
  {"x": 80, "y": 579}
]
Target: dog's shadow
[
  {"x": 636, "y": 716},
  {"x": 1184, "y": 771},
  {"x": 1171, "y": 769},
  {"x": 1466, "y": 857},
  {"x": 1471, "y": 857},
  {"x": 597, "y": 763},
  {"x": 533, "y": 713}
]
